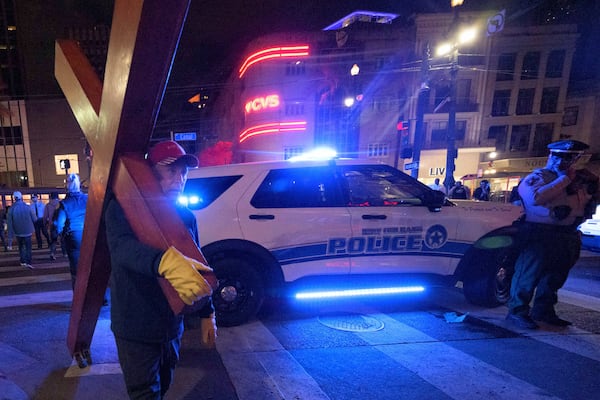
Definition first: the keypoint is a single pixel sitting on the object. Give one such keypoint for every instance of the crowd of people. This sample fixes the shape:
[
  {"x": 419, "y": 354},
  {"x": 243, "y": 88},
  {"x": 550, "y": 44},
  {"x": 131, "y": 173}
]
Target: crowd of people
[{"x": 58, "y": 221}]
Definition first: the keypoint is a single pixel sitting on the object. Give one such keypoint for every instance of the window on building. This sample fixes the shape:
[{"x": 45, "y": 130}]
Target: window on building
[
  {"x": 519, "y": 138},
  {"x": 570, "y": 116},
  {"x": 555, "y": 64},
  {"x": 541, "y": 138},
  {"x": 289, "y": 152},
  {"x": 295, "y": 68},
  {"x": 531, "y": 65},
  {"x": 506, "y": 67},
  {"x": 378, "y": 150},
  {"x": 500, "y": 103},
  {"x": 439, "y": 132},
  {"x": 463, "y": 91},
  {"x": 549, "y": 100},
  {"x": 294, "y": 108},
  {"x": 525, "y": 101},
  {"x": 498, "y": 133},
  {"x": 10, "y": 135}
]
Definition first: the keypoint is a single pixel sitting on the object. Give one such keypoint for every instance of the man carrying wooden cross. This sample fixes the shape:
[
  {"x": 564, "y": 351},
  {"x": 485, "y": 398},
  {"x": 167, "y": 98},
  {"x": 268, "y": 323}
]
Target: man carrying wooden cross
[{"x": 147, "y": 331}]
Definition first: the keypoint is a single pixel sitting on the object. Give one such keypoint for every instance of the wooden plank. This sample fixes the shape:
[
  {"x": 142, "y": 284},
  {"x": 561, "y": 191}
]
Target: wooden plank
[
  {"x": 153, "y": 218},
  {"x": 132, "y": 91}
]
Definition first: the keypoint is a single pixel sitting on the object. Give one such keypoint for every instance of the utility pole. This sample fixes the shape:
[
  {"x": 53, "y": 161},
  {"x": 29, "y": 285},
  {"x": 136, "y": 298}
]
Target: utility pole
[
  {"x": 422, "y": 101},
  {"x": 451, "y": 152}
]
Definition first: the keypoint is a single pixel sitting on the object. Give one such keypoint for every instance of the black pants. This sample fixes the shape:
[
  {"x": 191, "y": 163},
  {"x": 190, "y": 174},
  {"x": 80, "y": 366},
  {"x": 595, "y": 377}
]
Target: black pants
[
  {"x": 40, "y": 229},
  {"x": 548, "y": 254}
]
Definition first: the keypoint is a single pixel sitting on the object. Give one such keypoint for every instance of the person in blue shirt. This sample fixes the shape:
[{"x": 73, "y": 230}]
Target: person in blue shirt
[
  {"x": 70, "y": 220},
  {"x": 147, "y": 332}
]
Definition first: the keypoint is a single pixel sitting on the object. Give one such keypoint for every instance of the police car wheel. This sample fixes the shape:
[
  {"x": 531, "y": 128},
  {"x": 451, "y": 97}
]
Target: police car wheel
[
  {"x": 241, "y": 291},
  {"x": 488, "y": 283}
]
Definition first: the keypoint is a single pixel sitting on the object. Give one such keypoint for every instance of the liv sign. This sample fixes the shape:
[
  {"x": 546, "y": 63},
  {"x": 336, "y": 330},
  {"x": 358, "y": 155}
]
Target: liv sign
[{"x": 262, "y": 103}]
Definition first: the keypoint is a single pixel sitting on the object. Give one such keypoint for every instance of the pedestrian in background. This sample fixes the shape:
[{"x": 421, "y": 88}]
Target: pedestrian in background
[
  {"x": 482, "y": 193},
  {"x": 70, "y": 220},
  {"x": 40, "y": 228},
  {"x": 147, "y": 332},
  {"x": 436, "y": 186},
  {"x": 459, "y": 192},
  {"x": 49, "y": 212},
  {"x": 20, "y": 222},
  {"x": 556, "y": 199},
  {"x": 3, "y": 228}
]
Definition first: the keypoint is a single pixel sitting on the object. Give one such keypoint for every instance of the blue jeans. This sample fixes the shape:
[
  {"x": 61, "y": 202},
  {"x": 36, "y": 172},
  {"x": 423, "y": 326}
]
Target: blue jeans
[
  {"x": 148, "y": 367},
  {"x": 72, "y": 242},
  {"x": 24, "y": 243}
]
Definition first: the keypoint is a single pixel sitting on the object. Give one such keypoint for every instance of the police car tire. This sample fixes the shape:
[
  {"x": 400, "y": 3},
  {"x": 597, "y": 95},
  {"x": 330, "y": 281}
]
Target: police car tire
[
  {"x": 238, "y": 272},
  {"x": 488, "y": 288}
]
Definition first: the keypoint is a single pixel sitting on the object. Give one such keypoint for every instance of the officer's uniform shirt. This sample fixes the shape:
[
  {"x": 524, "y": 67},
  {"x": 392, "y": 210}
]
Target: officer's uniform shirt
[{"x": 543, "y": 190}]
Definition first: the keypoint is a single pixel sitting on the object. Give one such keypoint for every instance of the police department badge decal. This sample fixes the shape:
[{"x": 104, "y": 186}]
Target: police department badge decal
[{"x": 436, "y": 236}]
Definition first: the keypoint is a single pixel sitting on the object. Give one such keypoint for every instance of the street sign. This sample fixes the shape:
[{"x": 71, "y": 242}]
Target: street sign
[
  {"x": 184, "y": 136},
  {"x": 411, "y": 165}
]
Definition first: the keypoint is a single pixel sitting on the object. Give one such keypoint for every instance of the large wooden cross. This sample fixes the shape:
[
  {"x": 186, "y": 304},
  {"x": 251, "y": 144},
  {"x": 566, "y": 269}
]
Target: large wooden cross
[{"x": 117, "y": 117}]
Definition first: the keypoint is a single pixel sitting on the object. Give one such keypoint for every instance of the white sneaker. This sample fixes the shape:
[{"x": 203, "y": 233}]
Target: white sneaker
[{"x": 27, "y": 265}]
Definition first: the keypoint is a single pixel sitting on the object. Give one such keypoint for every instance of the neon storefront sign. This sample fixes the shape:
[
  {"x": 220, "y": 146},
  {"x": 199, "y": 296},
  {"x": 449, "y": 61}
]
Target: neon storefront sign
[
  {"x": 262, "y": 103},
  {"x": 272, "y": 128},
  {"x": 272, "y": 53}
]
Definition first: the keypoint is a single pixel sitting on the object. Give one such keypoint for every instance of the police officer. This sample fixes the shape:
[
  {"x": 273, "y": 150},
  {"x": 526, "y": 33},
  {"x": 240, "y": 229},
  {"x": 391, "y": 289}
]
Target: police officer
[{"x": 556, "y": 200}]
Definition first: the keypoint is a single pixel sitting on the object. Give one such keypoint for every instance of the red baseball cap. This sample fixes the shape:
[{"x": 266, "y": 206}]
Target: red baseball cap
[{"x": 169, "y": 151}]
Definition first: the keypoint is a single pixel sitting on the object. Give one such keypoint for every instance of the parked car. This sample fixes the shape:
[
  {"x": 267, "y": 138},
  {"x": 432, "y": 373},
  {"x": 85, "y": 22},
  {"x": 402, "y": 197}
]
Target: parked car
[
  {"x": 590, "y": 232},
  {"x": 267, "y": 227}
]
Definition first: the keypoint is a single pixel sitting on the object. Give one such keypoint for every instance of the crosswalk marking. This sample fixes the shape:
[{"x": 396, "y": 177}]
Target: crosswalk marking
[
  {"x": 26, "y": 280},
  {"x": 260, "y": 368},
  {"x": 17, "y": 300},
  {"x": 456, "y": 373}
]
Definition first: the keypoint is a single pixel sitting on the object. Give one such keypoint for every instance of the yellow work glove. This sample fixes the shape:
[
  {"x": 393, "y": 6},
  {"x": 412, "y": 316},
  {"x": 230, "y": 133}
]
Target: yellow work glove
[
  {"x": 182, "y": 274},
  {"x": 198, "y": 265},
  {"x": 208, "y": 330}
]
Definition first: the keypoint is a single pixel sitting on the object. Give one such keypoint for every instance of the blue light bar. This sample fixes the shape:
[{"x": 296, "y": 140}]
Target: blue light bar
[{"x": 330, "y": 294}]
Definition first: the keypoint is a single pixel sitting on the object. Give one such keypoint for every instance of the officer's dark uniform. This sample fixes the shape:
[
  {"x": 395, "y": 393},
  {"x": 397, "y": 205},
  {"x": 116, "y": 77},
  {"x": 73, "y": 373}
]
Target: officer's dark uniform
[{"x": 556, "y": 200}]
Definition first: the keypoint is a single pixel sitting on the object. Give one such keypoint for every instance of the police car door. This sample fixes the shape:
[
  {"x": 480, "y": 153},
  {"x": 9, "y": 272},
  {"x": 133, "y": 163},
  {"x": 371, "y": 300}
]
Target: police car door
[
  {"x": 393, "y": 229},
  {"x": 296, "y": 212}
]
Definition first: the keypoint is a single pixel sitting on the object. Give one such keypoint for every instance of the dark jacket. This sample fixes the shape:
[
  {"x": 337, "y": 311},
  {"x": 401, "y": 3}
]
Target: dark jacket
[
  {"x": 139, "y": 309},
  {"x": 20, "y": 220},
  {"x": 71, "y": 213}
]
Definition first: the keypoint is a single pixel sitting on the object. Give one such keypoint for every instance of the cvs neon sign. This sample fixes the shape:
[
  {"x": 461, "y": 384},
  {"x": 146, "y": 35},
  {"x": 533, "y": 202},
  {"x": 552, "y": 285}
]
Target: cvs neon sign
[{"x": 262, "y": 103}]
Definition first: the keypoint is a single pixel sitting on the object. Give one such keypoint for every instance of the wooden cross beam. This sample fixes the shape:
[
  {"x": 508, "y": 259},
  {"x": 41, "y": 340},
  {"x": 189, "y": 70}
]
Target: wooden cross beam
[{"x": 117, "y": 118}]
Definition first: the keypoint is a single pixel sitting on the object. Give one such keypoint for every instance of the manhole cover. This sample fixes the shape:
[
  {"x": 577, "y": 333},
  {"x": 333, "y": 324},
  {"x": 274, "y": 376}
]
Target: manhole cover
[{"x": 352, "y": 322}]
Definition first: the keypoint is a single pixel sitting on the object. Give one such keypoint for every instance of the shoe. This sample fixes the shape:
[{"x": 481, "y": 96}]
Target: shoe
[
  {"x": 522, "y": 321},
  {"x": 52, "y": 257},
  {"x": 551, "y": 319},
  {"x": 29, "y": 266}
]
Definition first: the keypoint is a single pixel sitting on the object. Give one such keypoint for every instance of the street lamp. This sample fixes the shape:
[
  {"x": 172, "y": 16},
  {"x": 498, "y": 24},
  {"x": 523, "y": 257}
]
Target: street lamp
[{"x": 461, "y": 37}]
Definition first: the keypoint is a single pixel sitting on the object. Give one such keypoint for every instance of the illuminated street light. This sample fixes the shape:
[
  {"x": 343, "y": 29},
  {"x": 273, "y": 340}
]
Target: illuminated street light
[{"x": 451, "y": 48}]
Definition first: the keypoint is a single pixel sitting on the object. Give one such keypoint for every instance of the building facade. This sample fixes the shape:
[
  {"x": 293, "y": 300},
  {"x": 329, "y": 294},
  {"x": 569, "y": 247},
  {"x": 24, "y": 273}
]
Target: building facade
[{"x": 356, "y": 88}]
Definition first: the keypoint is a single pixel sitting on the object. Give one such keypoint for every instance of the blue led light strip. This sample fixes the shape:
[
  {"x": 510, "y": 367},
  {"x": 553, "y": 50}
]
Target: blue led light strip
[{"x": 358, "y": 292}]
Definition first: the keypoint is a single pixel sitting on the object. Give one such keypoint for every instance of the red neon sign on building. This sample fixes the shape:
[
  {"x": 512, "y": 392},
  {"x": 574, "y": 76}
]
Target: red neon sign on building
[
  {"x": 262, "y": 103},
  {"x": 273, "y": 127},
  {"x": 273, "y": 52}
]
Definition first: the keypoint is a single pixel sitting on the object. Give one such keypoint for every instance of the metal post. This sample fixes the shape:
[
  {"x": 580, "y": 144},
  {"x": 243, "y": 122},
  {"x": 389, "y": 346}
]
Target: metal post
[
  {"x": 451, "y": 152},
  {"x": 422, "y": 100}
]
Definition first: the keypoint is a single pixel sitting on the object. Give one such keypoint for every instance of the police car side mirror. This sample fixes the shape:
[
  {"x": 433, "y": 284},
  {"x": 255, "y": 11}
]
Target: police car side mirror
[{"x": 434, "y": 200}]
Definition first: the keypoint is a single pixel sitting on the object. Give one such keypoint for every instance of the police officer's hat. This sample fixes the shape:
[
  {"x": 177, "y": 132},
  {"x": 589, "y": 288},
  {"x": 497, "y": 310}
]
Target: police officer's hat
[{"x": 568, "y": 146}]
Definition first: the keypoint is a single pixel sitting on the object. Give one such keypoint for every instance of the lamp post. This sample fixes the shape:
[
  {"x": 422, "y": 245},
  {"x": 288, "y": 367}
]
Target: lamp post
[{"x": 462, "y": 37}]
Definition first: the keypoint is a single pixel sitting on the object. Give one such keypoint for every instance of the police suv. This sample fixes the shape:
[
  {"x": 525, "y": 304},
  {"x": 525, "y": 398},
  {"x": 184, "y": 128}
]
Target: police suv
[{"x": 341, "y": 224}]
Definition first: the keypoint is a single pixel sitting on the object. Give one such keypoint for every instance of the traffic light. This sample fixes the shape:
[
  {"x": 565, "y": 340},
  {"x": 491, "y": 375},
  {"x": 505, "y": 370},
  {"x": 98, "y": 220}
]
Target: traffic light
[{"x": 65, "y": 164}]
